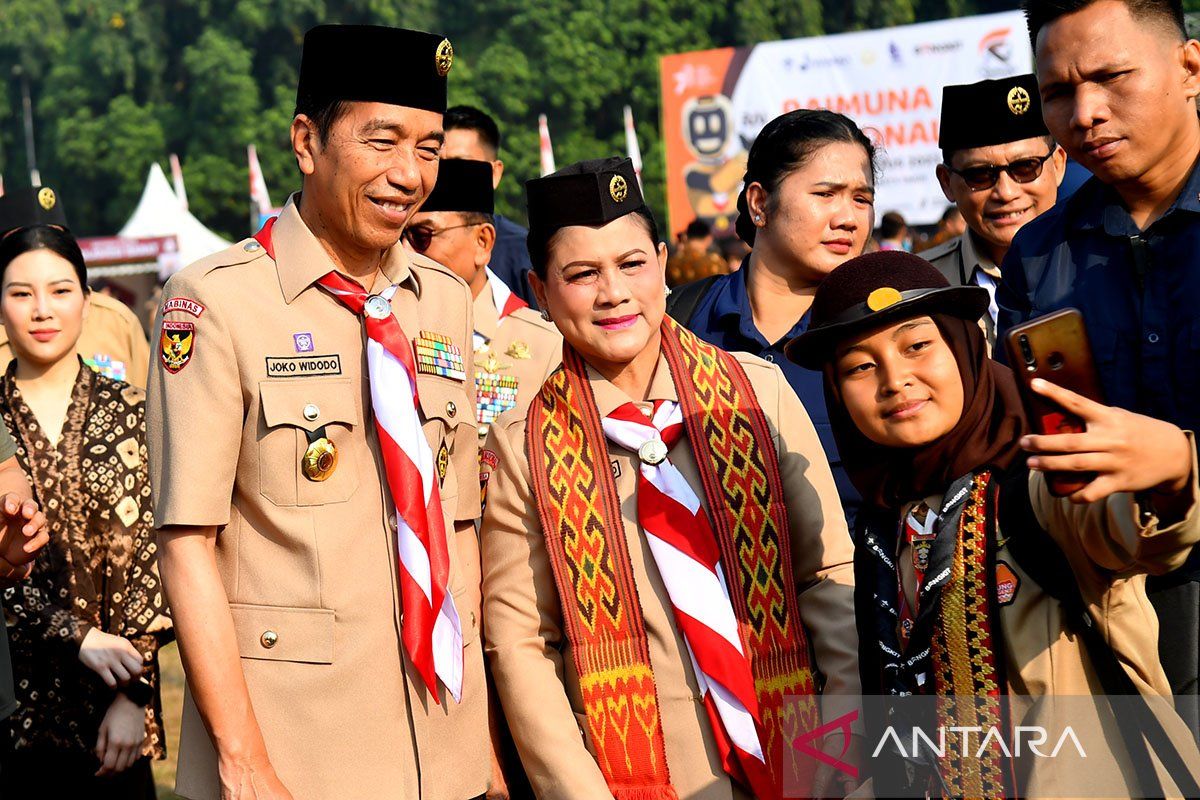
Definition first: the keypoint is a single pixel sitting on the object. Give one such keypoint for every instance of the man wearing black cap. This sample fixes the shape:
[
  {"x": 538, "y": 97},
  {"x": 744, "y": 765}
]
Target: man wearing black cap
[
  {"x": 113, "y": 341},
  {"x": 314, "y": 462},
  {"x": 515, "y": 350},
  {"x": 473, "y": 134},
  {"x": 1001, "y": 168}
]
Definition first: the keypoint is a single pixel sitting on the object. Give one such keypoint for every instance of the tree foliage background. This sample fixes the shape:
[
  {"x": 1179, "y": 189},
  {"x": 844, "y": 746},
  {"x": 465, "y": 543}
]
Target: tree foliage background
[{"x": 117, "y": 84}]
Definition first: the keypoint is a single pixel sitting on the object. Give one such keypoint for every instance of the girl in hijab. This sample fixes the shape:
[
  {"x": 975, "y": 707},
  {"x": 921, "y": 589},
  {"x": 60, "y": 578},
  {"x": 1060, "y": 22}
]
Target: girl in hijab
[{"x": 973, "y": 581}]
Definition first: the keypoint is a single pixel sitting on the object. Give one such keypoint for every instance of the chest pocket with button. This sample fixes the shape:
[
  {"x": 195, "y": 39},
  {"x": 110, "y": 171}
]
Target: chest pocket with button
[{"x": 293, "y": 410}]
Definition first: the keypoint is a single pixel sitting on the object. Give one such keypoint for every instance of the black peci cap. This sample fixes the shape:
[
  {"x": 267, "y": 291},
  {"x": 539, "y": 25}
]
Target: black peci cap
[
  {"x": 373, "y": 64},
  {"x": 991, "y": 112},
  {"x": 875, "y": 290},
  {"x": 24, "y": 208},
  {"x": 593, "y": 192},
  {"x": 462, "y": 185}
]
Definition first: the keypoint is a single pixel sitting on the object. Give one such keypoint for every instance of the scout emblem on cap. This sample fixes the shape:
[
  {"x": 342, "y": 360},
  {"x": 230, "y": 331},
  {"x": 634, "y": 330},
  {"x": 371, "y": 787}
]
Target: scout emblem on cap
[
  {"x": 444, "y": 58},
  {"x": 518, "y": 349},
  {"x": 320, "y": 460},
  {"x": 436, "y": 355},
  {"x": 653, "y": 452},
  {"x": 46, "y": 198},
  {"x": 880, "y": 299},
  {"x": 1018, "y": 100},
  {"x": 176, "y": 345},
  {"x": 618, "y": 189}
]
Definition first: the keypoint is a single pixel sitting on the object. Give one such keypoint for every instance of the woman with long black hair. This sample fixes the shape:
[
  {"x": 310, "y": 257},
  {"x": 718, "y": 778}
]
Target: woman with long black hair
[{"x": 87, "y": 625}]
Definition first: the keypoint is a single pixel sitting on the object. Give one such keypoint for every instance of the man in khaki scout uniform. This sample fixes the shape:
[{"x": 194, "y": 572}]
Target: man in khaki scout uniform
[
  {"x": 1001, "y": 168},
  {"x": 515, "y": 350},
  {"x": 113, "y": 341},
  {"x": 290, "y": 464}
]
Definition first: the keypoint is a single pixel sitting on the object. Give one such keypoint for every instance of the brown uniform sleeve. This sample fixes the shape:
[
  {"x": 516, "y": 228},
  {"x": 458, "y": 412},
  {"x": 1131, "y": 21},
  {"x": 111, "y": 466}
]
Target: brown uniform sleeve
[
  {"x": 1113, "y": 533},
  {"x": 822, "y": 552},
  {"x": 523, "y": 632},
  {"x": 194, "y": 416}
]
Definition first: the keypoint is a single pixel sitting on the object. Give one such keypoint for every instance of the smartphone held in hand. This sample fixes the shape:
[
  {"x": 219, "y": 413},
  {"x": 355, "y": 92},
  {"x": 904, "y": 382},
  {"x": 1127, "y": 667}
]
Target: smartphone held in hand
[{"x": 1055, "y": 348}]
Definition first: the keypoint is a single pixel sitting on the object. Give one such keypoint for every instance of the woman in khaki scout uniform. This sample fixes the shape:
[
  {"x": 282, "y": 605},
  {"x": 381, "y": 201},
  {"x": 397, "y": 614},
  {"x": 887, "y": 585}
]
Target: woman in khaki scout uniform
[
  {"x": 315, "y": 460},
  {"x": 637, "y": 650},
  {"x": 972, "y": 578},
  {"x": 515, "y": 351},
  {"x": 112, "y": 341},
  {"x": 86, "y": 627}
]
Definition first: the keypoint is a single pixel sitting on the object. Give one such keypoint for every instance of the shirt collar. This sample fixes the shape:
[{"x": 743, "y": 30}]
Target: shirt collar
[
  {"x": 974, "y": 258},
  {"x": 609, "y": 398},
  {"x": 301, "y": 260},
  {"x": 1098, "y": 205}
]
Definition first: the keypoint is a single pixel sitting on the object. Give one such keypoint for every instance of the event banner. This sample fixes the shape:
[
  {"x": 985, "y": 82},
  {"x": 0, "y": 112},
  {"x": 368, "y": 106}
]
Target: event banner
[{"x": 888, "y": 81}]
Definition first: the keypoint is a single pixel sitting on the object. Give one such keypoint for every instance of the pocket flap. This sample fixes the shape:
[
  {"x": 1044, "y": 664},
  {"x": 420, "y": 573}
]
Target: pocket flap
[
  {"x": 446, "y": 399},
  {"x": 284, "y": 633},
  {"x": 292, "y": 402}
]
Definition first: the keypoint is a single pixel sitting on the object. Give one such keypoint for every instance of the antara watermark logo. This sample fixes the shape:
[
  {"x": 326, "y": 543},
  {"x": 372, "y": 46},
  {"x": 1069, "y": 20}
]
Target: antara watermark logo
[{"x": 1025, "y": 739}]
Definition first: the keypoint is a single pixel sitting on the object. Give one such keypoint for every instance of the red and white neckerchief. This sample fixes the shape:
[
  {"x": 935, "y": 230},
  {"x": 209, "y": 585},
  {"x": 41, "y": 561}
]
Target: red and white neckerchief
[
  {"x": 431, "y": 629},
  {"x": 688, "y": 559},
  {"x": 504, "y": 298},
  {"x": 505, "y": 301}
]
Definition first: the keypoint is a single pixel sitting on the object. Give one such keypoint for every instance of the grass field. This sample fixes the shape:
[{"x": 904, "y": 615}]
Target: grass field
[{"x": 172, "y": 699}]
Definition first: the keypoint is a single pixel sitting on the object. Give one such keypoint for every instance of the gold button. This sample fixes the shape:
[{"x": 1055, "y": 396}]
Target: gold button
[
  {"x": 311, "y": 412},
  {"x": 451, "y": 409},
  {"x": 269, "y": 639}
]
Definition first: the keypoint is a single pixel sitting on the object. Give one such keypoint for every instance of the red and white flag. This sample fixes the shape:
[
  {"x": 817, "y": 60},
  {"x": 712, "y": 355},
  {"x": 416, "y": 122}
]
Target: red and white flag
[
  {"x": 258, "y": 186},
  {"x": 547, "y": 149},
  {"x": 631, "y": 144},
  {"x": 177, "y": 179}
]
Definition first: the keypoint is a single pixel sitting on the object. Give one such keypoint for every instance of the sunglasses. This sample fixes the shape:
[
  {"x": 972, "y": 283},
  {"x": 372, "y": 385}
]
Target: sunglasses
[
  {"x": 984, "y": 176},
  {"x": 420, "y": 238}
]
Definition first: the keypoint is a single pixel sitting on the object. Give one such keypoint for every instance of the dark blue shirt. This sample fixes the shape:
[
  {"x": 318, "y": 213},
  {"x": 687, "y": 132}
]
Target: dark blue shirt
[
  {"x": 723, "y": 318},
  {"x": 510, "y": 259},
  {"x": 1139, "y": 292}
]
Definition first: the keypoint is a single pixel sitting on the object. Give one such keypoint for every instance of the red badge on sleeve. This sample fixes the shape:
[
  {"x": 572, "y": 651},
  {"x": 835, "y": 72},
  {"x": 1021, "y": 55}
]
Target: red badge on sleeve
[
  {"x": 1007, "y": 584},
  {"x": 185, "y": 304},
  {"x": 487, "y": 462},
  {"x": 176, "y": 345}
]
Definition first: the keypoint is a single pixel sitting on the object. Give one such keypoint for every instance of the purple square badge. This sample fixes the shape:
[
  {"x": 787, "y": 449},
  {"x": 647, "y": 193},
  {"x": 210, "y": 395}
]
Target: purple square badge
[{"x": 304, "y": 342}]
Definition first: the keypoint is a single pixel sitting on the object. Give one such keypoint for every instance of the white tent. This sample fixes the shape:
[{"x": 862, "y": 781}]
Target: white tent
[{"x": 159, "y": 213}]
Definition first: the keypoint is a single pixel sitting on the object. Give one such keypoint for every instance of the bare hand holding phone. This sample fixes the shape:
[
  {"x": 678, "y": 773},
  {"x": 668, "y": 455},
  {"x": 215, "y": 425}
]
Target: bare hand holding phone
[{"x": 1126, "y": 452}]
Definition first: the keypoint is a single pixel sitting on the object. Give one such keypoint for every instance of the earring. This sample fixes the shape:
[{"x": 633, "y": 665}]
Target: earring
[
  {"x": 546, "y": 315},
  {"x": 666, "y": 290},
  {"x": 758, "y": 217}
]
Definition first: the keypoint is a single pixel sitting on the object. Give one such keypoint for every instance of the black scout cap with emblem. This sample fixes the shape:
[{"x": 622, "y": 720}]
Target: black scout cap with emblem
[
  {"x": 593, "y": 192},
  {"x": 991, "y": 112},
  {"x": 24, "y": 208},
  {"x": 462, "y": 185},
  {"x": 373, "y": 64},
  {"x": 875, "y": 290}
]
